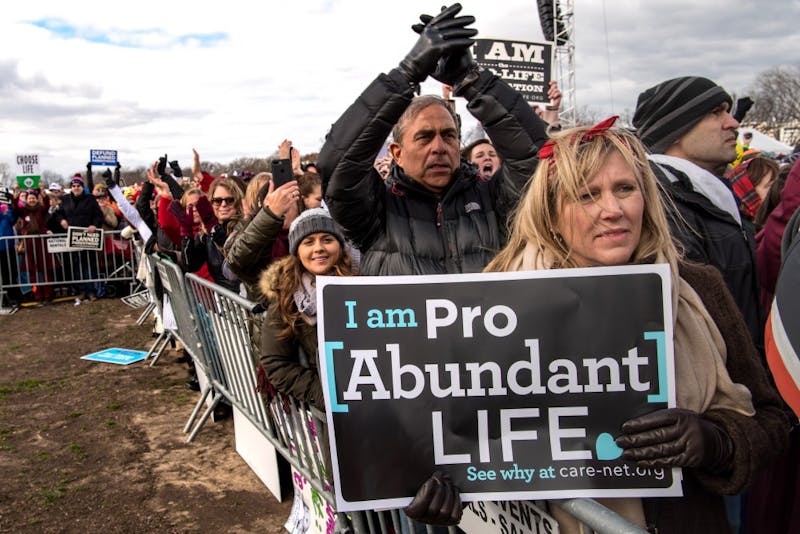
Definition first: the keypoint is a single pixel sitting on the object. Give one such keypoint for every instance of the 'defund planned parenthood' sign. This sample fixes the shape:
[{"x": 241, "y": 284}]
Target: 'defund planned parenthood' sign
[{"x": 515, "y": 384}]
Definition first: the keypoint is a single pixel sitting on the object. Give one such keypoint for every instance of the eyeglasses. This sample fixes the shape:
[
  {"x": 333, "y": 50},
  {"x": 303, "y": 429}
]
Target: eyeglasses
[
  {"x": 223, "y": 200},
  {"x": 98, "y": 197}
]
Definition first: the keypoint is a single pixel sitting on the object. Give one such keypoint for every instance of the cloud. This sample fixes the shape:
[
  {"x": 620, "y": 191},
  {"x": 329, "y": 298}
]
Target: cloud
[
  {"x": 233, "y": 81},
  {"x": 153, "y": 38}
]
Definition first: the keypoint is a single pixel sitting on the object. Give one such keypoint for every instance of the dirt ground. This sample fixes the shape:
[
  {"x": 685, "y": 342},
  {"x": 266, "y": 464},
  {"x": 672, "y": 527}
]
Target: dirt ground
[{"x": 97, "y": 447}]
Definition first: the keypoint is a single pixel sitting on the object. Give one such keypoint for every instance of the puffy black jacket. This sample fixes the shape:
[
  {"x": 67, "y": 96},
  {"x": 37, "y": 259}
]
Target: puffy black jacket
[
  {"x": 81, "y": 211},
  {"x": 400, "y": 227},
  {"x": 711, "y": 236}
]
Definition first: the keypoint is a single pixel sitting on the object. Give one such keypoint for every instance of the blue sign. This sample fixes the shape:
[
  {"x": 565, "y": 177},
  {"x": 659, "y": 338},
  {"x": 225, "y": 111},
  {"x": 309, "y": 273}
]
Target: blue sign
[
  {"x": 107, "y": 158},
  {"x": 118, "y": 356}
]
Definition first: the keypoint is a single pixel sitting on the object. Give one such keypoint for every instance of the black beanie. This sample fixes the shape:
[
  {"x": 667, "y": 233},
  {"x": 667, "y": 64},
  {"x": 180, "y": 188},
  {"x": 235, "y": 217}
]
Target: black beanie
[{"x": 670, "y": 109}]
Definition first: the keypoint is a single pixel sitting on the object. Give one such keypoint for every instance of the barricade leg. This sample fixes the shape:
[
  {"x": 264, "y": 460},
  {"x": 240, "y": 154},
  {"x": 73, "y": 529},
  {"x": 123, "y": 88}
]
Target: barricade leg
[
  {"x": 146, "y": 313},
  {"x": 204, "y": 418},
  {"x": 159, "y": 346},
  {"x": 196, "y": 410}
]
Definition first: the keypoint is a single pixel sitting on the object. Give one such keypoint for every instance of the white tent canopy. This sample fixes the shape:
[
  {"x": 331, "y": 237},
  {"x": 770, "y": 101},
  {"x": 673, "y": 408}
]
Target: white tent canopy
[{"x": 765, "y": 143}]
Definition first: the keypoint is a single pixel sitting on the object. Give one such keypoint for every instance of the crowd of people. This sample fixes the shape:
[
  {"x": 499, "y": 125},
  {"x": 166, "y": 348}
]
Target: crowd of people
[{"x": 678, "y": 189}]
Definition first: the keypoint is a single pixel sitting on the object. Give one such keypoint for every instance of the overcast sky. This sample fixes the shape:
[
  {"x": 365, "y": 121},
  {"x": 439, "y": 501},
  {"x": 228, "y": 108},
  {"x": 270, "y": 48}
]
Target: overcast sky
[{"x": 236, "y": 78}]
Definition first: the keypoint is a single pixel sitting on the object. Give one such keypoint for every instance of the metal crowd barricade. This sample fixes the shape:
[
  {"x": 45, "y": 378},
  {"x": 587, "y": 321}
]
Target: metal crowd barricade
[
  {"x": 296, "y": 429},
  {"x": 177, "y": 306},
  {"x": 44, "y": 260}
]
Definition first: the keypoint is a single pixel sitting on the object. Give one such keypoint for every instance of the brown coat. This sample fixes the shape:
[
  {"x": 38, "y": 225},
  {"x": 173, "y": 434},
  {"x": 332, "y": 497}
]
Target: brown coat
[
  {"x": 757, "y": 440},
  {"x": 281, "y": 358}
]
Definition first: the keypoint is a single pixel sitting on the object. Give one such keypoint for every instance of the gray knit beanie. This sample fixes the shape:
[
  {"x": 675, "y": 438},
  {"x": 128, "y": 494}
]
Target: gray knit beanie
[
  {"x": 670, "y": 109},
  {"x": 309, "y": 222}
]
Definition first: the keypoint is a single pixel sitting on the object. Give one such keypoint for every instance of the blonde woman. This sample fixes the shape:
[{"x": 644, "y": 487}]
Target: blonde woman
[{"x": 593, "y": 201}]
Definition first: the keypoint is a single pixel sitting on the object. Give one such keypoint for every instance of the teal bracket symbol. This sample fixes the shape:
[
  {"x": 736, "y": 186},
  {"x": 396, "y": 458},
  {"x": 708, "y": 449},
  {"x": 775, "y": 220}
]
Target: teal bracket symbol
[
  {"x": 661, "y": 352},
  {"x": 331, "y": 346}
]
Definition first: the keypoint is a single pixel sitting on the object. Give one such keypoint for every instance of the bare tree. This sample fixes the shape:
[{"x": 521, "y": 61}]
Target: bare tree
[
  {"x": 776, "y": 96},
  {"x": 5, "y": 173},
  {"x": 48, "y": 177}
]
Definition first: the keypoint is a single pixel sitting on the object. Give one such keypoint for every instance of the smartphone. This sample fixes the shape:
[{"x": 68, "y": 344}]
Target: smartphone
[{"x": 282, "y": 172}]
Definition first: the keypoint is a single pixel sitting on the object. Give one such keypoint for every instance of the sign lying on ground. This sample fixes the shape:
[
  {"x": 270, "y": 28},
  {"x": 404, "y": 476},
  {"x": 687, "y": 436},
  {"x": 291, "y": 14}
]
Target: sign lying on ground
[
  {"x": 525, "y": 65},
  {"x": 115, "y": 355},
  {"x": 82, "y": 239},
  {"x": 106, "y": 158},
  {"x": 515, "y": 384},
  {"x": 28, "y": 174}
]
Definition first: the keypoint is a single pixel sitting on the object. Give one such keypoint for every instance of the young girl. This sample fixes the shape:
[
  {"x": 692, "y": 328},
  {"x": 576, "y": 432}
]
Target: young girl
[{"x": 289, "y": 335}]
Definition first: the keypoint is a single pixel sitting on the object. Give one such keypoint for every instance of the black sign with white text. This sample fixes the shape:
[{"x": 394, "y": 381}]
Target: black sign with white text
[
  {"x": 516, "y": 384},
  {"x": 81, "y": 238},
  {"x": 526, "y": 66}
]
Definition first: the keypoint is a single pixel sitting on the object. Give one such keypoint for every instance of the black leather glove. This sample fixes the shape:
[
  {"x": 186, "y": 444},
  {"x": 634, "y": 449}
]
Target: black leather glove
[
  {"x": 451, "y": 68},
  {"x": 743, "y": 105},
  {"x": 441, "y": 35},
  {"x": 162, "y": 166},
  {"x": 109, "y": 178},
  {"x": 176, "y": 169},
  {"x": 676, "y": 438},
  {"x": 117, "y": 173},
  {"x": 151, "y": 245},
  {"x": 437, "y": 502}
]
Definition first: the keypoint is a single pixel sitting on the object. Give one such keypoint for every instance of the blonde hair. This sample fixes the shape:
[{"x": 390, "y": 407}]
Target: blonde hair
[
  {"x": 563, "y": 177},
  {"x": 191, "y": 191},
  {"x": 250, "y": 202}
]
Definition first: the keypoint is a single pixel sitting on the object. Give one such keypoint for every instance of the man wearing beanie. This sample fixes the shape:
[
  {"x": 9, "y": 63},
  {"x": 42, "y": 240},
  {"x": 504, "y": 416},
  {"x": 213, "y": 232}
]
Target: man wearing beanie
[
  {"x": 687, "y": 125},
  {"x": 80, "y": 209}
]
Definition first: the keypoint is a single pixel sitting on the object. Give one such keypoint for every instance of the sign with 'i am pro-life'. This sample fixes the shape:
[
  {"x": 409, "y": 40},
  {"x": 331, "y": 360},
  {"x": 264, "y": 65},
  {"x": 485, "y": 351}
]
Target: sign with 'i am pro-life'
[{"x": 515, "y": 384}]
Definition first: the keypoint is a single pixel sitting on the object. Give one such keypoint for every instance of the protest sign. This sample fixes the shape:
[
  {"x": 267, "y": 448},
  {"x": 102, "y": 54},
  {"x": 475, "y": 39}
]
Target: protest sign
[
  {"x": 507, "y": 516},
  {"x": 57, "y": 244},
  {"x": 515, "y": 384},
  {"x": 525, "y": 65},
  {"x": 28, "y": 171},
  {"x": 106, "y": 158},
  {"x": 81, "y": 238},
  {"x": 117, "y": 356},
  {"x": 6, "y": 195}
]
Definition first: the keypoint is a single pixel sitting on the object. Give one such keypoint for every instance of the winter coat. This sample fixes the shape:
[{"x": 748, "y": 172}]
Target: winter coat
[
  {"x": 768, "y": 240},
  {"x": 710, "y": 236},
  {"x": 8, "y": 219},
  {"x": 255, "y": 245},
  {"x": 291, "y": 365},
  {"x": 400, "y": 227},
  {"x": 757, "y": 440},
  {"x": 207, "y": 249},
  {"x": 35, "y": 257},
  {"x": 81, "y": 211}
]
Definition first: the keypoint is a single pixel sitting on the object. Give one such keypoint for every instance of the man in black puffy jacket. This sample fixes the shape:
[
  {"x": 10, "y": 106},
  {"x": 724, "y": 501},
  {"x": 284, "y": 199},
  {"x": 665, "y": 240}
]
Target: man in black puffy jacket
[
  {"x": 81, "y": 210},
  {"x": 433, "y": 214}
]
